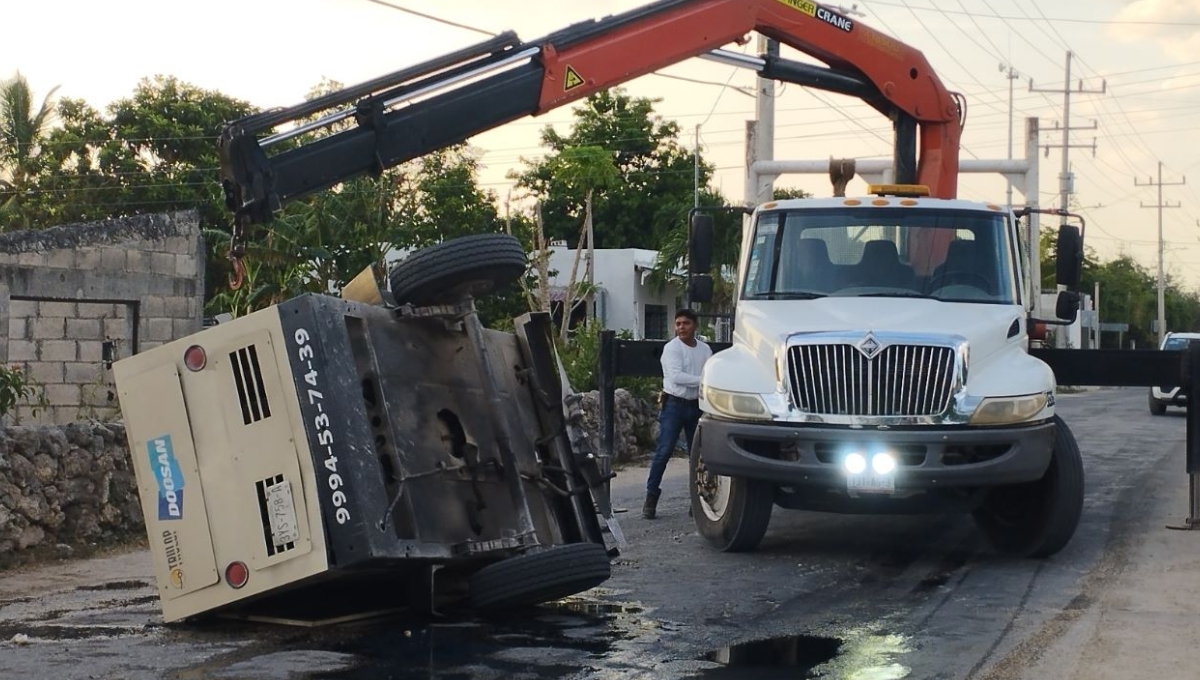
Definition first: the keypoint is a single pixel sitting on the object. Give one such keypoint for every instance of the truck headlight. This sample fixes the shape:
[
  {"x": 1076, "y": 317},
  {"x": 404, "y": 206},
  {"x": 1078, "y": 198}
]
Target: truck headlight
[
  {"x": 737, "y": 404},
  {"x": 1007, "y": 410}
]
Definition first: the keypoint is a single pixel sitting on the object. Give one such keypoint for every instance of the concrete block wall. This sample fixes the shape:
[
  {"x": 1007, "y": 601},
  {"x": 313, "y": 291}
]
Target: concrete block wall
[{"x": 75, "y": 298}]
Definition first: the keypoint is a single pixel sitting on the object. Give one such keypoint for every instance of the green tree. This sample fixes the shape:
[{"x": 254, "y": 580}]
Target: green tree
[
  {"x": 22, "y": 135},
  {"x": 655, "y": 187},
  {"x": 152, "y": 152},
  {"x": 1128, "y": 294}
]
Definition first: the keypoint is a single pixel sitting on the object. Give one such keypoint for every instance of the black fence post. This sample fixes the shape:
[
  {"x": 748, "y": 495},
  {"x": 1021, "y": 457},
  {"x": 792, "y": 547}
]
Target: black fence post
[
  {"x": 1191, "y": 365},
  {"x": 1189, "y": 382},
  {"x": 607, "y": 381}
]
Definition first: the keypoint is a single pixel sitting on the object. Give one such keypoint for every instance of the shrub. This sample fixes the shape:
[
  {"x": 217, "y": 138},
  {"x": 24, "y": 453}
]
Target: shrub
[
  {"x": 581, "y": 360},
  {"x": 14, "y": 388}
]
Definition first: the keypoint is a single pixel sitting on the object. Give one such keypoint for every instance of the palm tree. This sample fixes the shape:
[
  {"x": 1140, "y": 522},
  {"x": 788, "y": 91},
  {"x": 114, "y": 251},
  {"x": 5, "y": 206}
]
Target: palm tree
[{"x": 21, "y": 133}]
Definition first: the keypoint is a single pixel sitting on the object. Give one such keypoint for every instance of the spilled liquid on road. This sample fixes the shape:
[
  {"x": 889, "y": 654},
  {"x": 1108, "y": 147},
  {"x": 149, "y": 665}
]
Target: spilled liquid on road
[{"x": 859, "y": 655}]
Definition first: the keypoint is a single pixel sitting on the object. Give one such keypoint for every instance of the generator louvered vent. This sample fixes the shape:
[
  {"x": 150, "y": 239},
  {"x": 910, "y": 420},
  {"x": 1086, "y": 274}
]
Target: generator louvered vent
[
  {"x": 252, "y": 394},
  {"x": 265, "y": 512}
]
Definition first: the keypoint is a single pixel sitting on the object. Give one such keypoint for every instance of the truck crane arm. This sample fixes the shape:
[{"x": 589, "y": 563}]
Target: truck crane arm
[{"x": 445, "y": 101}]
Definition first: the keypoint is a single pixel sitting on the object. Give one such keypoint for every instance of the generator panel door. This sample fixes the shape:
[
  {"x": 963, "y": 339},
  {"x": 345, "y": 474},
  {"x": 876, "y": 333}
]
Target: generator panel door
[{"x": 172, "y": 495}]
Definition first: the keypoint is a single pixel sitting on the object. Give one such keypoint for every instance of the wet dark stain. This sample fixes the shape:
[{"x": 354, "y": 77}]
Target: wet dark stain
[
  {"x": 798, "y": 654},
  {"x": 42, "y": 632},
  {"x": 528, "y": 644},
  {"x": 932, "y": 582},
  {"x": 582, "y": 607},
  {"x": 116, "y": 585},
  {"x": 940, "y": 575},
  {"x": 129, "y": 602}
]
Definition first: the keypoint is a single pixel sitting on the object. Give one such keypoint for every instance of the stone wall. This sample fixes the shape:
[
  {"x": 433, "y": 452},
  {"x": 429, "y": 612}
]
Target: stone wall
[
  {"x": 75, "y": 298},
  {"x": 66, "y": 487},
  {"x": 636, "y": 425}
]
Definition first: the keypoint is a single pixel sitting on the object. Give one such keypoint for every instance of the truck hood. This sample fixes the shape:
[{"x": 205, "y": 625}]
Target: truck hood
[
  {"x": 763, "y": 326},
  {"x": 984, "y": 326}
]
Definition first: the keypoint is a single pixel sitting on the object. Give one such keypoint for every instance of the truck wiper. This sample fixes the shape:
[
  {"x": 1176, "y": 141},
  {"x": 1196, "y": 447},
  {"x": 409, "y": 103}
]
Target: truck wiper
[
  {"x": 899, "y": 293},
  {"x": 789, "y": 295}
]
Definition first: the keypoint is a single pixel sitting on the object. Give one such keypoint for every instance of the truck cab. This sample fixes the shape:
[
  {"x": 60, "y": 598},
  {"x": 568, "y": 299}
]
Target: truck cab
[{"x": 879, "y": 363}]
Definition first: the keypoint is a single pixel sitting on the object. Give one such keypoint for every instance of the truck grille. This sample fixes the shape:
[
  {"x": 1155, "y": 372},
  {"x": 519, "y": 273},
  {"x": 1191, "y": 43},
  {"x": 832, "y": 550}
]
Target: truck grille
[{"x": 901, "y": 380}]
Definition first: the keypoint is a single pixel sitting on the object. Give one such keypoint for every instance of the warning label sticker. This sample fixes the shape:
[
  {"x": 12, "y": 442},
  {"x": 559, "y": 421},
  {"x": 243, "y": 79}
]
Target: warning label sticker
[
  {"x": 572, "y": 79},
  {"x": 806, "y": 6}
]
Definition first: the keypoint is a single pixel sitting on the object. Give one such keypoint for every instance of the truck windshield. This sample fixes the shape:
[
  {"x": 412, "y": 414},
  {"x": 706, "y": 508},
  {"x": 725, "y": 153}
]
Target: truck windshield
[{"x": 950, "y": 255}]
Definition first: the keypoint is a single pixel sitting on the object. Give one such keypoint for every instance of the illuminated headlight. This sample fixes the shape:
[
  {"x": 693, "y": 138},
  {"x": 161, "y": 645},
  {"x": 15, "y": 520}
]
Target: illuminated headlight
[
  {"x": 737, "y": 404},
  {"x": 883, "y": 463},
  {"x": 855, "y": 463},
  {"x": 1006, "y": 410}
]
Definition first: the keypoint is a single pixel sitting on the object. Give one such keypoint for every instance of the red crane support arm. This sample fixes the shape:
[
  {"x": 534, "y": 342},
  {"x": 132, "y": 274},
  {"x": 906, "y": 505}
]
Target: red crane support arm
[{"x": 447, "y": 100}]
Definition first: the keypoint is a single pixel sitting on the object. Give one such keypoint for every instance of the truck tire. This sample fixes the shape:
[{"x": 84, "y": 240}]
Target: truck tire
[
  {"x": 538, "y": 577},
  {"x": 1157, "y": 407},
  {"x": 731, "y": 513},
  {"x": 471, "y": 265},
  {"x": 1037, "y": 519}
]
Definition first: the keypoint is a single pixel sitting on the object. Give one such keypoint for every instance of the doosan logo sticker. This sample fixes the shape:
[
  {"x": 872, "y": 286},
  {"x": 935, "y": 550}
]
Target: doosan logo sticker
[{"x": 169, "y": 477}]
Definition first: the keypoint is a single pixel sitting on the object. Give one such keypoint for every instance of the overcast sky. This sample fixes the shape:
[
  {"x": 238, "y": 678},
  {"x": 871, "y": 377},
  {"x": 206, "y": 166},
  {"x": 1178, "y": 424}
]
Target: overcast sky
[{"x": 1146, "y": 53}]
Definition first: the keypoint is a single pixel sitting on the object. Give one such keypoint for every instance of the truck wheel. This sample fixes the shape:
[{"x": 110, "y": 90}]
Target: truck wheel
[
  {"x": 730, "y": 513},
  {"x": 537, "y": 577},
  {"x": 1037, "y": 519},
  {"x": 471, "y": 265},
  {"x": 1157, "y": 408}
]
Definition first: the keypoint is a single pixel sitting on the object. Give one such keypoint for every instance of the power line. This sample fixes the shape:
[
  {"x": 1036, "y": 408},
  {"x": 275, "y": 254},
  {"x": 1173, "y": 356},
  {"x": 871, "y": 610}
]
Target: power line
[
  {"x": 1064, "y": 20},
  {"x": 433, "y": 18}
]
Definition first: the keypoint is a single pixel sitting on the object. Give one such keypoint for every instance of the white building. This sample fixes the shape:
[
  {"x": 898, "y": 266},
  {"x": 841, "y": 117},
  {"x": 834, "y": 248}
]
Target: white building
[{"x": 627, "y": 300}]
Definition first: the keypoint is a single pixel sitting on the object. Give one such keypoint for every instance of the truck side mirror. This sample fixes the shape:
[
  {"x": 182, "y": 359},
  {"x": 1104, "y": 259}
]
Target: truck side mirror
[
  {"x": 700, "y": 240},
  {"x": 1067, "y": 306},
  {"x": 700, "y": 288},
  {"x": 1068, "y": 257}
]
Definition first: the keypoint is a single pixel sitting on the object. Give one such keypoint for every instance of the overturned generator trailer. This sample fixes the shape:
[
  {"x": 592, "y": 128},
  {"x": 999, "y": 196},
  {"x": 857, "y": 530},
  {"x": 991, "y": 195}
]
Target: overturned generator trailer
[{"x": 326, "y": 447}]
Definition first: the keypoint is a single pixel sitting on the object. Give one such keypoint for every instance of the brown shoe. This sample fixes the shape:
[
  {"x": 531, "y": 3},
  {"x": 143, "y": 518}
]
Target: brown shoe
[{"x": 650, "y": 507}]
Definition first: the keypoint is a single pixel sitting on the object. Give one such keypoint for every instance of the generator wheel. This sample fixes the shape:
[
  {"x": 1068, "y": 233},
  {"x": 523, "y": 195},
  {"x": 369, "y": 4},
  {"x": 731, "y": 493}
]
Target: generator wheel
[
  {"x": 467, "y": 266},
  {"x": 1037, "y": 519},
  {"x": 538, "y": 577}
]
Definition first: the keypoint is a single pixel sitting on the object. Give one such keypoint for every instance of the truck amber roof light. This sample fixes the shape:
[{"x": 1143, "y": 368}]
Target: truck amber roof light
[{"x": 898, "y": 189}]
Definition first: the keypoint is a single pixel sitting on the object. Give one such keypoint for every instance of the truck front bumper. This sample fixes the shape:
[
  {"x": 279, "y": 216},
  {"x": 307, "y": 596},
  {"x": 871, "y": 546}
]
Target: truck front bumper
[{"x": 927, "y": 458}]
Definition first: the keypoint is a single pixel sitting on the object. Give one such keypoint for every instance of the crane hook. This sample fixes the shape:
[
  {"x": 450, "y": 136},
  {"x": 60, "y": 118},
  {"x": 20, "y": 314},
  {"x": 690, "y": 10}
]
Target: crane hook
[{"x": 238, "y": 277}]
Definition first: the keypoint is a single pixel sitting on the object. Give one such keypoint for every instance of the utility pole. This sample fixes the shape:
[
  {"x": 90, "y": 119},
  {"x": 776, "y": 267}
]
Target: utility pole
[
  {"x": 764, "y": 110},
  {"x": 1011, "y": 74},
  {"x": 1162, "y": 279},
  {"x": 1066, "y": 181}
]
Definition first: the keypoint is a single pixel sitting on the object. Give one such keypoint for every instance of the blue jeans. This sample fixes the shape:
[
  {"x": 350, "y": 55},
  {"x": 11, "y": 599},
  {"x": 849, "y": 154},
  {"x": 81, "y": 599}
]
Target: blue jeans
[{"x": 676, "y": 416}]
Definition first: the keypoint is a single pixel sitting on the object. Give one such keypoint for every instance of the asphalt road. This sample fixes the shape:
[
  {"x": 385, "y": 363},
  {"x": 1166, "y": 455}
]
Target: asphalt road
[{"x": 862, "y": 597}]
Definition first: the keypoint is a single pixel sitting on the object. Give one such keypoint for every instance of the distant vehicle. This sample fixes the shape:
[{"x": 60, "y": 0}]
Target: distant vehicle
[{"x": 1162, "y": 397}]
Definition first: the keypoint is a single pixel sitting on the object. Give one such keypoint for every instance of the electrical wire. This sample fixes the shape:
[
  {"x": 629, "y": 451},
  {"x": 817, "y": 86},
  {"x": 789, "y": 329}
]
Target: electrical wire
[{"x": 433, "y": 18}]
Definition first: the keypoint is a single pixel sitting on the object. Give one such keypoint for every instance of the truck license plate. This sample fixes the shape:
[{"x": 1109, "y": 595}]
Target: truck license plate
[
  {"x": 282, "y": 511},
  {"x": 871, "y": 483}
]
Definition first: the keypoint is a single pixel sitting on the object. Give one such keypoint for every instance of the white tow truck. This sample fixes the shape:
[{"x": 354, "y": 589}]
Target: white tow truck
[{"x": 880, "y": 364}]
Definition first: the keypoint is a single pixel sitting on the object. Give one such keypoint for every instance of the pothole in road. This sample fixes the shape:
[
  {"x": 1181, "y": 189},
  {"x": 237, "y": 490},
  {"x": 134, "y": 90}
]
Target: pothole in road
[
  {"x": 865, "y": 654},
  {"x": 799, "y": 653}
]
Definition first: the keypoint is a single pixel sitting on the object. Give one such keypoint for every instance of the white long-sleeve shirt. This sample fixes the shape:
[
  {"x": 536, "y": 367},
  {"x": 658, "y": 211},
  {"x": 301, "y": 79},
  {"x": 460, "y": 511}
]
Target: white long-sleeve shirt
[{"x": 681, "y": 367}]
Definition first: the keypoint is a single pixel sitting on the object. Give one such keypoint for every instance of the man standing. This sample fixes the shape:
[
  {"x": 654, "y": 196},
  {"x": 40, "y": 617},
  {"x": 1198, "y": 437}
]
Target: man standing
[{"x": 683, "y": 359}]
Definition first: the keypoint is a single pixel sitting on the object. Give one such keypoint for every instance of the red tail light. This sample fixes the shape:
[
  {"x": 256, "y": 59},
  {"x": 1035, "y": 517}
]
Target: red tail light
[
  {"x": 195, "y": 358},
  {"x": 237, "y": 574}
]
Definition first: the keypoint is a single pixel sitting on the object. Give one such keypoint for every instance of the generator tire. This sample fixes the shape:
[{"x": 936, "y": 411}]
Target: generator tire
[
  {"x": 1037, "y": 519},
  {"x": 467, "y": 266},
  {"x": 539, "y": 577}
]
